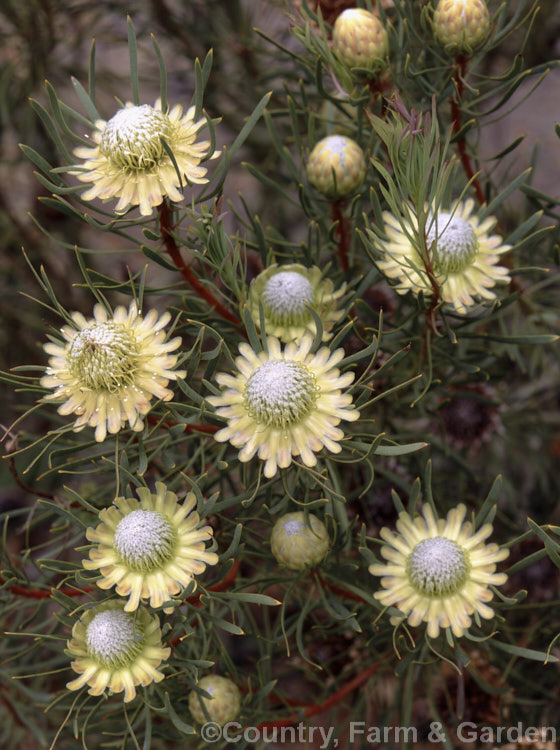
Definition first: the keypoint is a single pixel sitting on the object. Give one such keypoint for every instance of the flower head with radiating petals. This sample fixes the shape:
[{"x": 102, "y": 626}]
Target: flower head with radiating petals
[
  {"x": 149, "y": 548},
  {"x": 287, "y": 293},
  {"x": 117, "y": 650},
  {"x": 284, "y": 403},
  {"x": 108, "y": 369},
  {"x": 131, "y": 159},
  {"x": 438, "y": 571},
  {"x": 462, "y": 251}
]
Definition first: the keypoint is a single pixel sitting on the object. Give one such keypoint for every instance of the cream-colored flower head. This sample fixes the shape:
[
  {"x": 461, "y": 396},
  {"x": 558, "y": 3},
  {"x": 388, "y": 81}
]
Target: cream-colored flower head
[
  {"x": 108, "y": 369},
  {"x": 438, "y": 571},
  {"x": 463, "y": 252},
  {"x": 149, "y": 548},
  {"x": 130, "y": 162},
  {"x": 117, "y": 650},
  {"x": 285, "y": 403},
  {"x": 287, "y": 293},
  {"x": 223, "y": 705},
  {"x": 359, "y": 39},
  {"x": 299, "y": 540},
  {"x": 336, "y": 166},
  {"x": 461, "y": 25}
]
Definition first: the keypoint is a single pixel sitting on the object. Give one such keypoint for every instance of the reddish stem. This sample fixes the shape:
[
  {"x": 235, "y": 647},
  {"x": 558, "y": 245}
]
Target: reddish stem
[
  {"x": 208, "y": 429},
  {"x": 461, "y": 66},
  {"x": 21, "y": 483},
  {"x": 172, "y": 249},
  {"x": 332, "y": 701},
  {"x": 44, "y": 594},
  {"x": 222, "y": 585},
  {"x": 337, "y": 589},
  {"x": 342, "y": 231}
]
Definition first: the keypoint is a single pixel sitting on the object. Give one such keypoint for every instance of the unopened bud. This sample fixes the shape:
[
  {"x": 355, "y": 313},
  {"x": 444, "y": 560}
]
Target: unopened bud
[
  {"x": 222, "y": 707},
  {"x": 461, "y": 25},
  {"x": 336, "y": 166},
  {"x": 360, "y": 39},
  {"x": 299, "y": 541}
]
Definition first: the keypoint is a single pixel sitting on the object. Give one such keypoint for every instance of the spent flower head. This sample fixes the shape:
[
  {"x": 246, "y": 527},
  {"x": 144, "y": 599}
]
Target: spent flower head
[
  {"x": 116, "y": 649},
  {"x": 109, "y": 368},
  {"x": 131, "y": 159},
  {"x": 151, "y": 547},
  {"x": 438, "y": 571}
]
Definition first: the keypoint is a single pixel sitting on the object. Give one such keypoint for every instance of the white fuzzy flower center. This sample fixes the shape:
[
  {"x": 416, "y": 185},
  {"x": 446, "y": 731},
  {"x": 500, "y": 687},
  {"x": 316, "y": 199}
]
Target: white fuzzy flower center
[
  {"x": 437, "y": 566},
  {"x": 293, "y": 528},
  {"x": 280, "y": 393},
  {"x": 454, "y": 243},
  {"x": 285, "y": 296},
  {"x": 114, "y": 638},
  {"x": 144, "y": 539},
  {"x": 103, "y": 356},
  {"x": 131, "y": 139}
]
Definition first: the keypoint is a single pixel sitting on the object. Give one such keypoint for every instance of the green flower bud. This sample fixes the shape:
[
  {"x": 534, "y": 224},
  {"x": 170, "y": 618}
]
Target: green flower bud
[
  {"x": 461, "y": 25},
  {"x": 225, "y": 704},
  {"x": 336, "y": 166},
  {"x": 360, "y": 39},
  {"x": 299, "y": 541}
]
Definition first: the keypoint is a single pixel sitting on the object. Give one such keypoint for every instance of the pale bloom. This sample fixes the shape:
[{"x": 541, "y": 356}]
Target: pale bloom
[
  {"x": 149, "y": 548},
  {"x": 130, "y": 162},
  {"x": 438, "y": 571},
  {"x": 116, "y": 650},
  {"x": 287, "y": 295},
  {"x": 462, "y": 252},
  {"x": 287, "y": 402}
]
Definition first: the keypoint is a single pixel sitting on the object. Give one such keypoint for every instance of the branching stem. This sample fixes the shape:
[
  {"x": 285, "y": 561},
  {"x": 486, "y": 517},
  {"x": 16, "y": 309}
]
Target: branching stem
[{"x": 172, "y": 249}]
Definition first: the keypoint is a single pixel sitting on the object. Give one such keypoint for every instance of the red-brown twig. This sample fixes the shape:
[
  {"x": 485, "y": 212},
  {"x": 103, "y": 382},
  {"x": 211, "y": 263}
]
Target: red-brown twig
[
  {"x": 46, "y": 594},
  {"x": 207, "y": 429},
  {"x": 460, "y": 69},
  {"x": 337, "y": 589},
  {"x": 318, "y": 708},
  {"x": 342, "y": 231},
  {"x": 222, "y": 585},
  {"x": 21, "y": 483},
  {"x": 174, "y": 253}
]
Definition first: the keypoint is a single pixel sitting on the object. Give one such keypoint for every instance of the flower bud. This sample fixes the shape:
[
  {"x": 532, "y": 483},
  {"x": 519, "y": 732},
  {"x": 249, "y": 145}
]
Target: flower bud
[
  {"x": 461, "y": 25},
  {"x": 336, "y": 166},
  {"x": 360, "y": 39},
  {"x": 223, "y": 707},
  {"x": 299, "y": 540}
]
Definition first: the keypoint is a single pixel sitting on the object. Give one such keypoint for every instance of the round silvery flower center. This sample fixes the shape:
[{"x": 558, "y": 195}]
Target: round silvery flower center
[
  {"x": 285, "y": 296},
  {"x": 132, "y": 138},
  {"x": 454, "y": 243},
  {"x": 114, "y": 638},
  {"x": 437, "y": 566},
  {"x": 103, "y": 356},
  {"x": 280, "y": 393},
  {"x": 144, "y": 539},
  {"x": 293, "y": 528}
]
